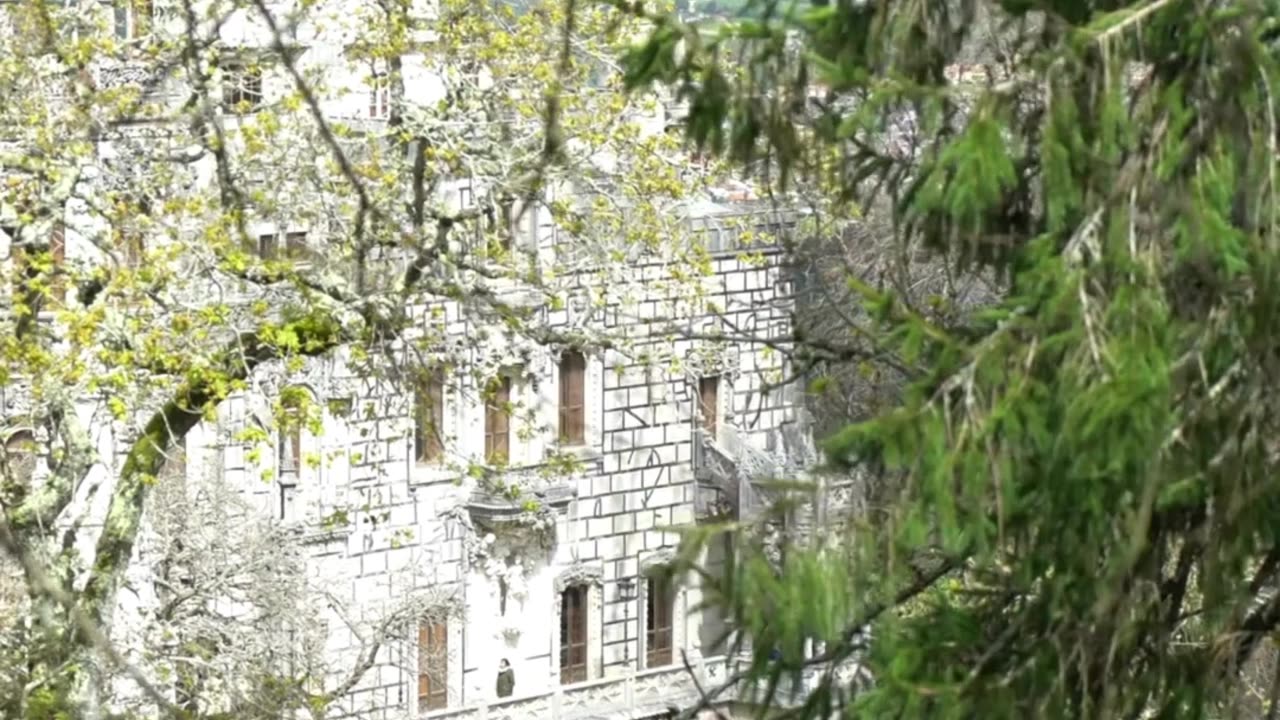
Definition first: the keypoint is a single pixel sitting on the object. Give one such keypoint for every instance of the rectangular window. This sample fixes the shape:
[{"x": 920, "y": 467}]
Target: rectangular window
[
  {"x": 130, "y": 212},
  {"x": 380, "y": 96},
  {"x": 57, "y": 256},
  {"x": 268, "y": 246},
  {"x": 295, "y": 245},
  {"x": 241, "y": 88},
  {"x": 499, "y": 225},
  {"x": 709, "y": 402},
  {"x": 659, "y": 601},
  {"x": 497, "y": 421},
  {"x": 132, "y": 19},
  {"x": 291, "y": 443},
  {"x": 433, "y": 666},
  {"x": 573, "y": 371},
  {"x": 130, "y": 244},
  {"x": 428, "y": 445},
  {"x": 573, "y": 635}
]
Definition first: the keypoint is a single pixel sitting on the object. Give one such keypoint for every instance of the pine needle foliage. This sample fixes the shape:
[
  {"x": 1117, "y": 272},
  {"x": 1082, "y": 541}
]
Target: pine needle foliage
[{"x": 1087, "y": 517}]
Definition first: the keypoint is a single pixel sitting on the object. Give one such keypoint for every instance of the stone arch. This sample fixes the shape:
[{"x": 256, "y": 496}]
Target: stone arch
[
  {"x": 590, "y": 575},
  {"x": 294, "y": 442},
  {"x": 20, "y": 453},
  {"x": 709, "y": 358},
  {"x": 659, "y": 558}
]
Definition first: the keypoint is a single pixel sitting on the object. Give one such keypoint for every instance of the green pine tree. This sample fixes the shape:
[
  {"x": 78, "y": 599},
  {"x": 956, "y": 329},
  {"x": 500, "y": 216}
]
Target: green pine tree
[{"x": 1084, "y": 516}]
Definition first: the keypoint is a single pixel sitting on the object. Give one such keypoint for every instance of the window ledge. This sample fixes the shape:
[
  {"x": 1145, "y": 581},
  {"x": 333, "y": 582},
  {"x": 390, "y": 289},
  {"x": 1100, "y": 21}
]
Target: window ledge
[
  {"x": 491, "y": 508},
  {"x": 424, "y": 474},
  {"x": 313, "y": 534},
  {"x": 583, "y": 452}
]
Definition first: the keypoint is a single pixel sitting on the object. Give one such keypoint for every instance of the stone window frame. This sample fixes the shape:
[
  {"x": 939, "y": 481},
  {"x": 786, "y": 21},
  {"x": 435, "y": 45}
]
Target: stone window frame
[
  {"x": 590, "y": 575},
  {"x": 650, "y": 563},
  {"x": 291, "y": 241},
  {"x": 430, "y": 391},
  {"x": 453, "y": 398},
  {"x": 307, "y": 478},
  {"x": 379, "y": 80},
  {"x": 23, "y": 433},
  {"x": 242, "y": 78},
  {"x": 132, "y": 21},
  {"x": 707, "y": 359},
  {"x": 592, "y": 394},
  {"x": 505, "y": 395},
  {"x": 308, "y": 442},
  {"x": 422, "y": 703},
  {"x": 525, "y": 391},
  {"x": 455, "y": 621}
]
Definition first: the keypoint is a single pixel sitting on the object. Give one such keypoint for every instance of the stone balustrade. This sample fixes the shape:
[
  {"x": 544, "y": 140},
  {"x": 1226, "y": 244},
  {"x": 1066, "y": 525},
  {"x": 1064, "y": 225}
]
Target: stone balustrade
[
  {"x": 633, "y": 696},
  {"x": 641, "y": 695}
]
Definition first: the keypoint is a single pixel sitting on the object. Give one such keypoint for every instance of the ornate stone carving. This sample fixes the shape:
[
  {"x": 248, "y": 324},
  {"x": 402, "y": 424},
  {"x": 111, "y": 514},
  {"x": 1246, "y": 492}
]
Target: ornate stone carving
[
  {"x": 113, "y": 76},
  {"x": 579, "y": 574},
  {"x": 657, "y": 559}
]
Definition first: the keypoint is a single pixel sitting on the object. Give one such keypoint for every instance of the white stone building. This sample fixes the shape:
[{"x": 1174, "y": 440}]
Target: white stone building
[
  {"x": 557, "y": 580},
  {"x": 528, "y": 493}
]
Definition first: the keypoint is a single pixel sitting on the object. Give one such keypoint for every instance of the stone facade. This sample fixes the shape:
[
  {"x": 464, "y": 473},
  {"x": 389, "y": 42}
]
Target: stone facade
[{"x": 407, "y": 527}]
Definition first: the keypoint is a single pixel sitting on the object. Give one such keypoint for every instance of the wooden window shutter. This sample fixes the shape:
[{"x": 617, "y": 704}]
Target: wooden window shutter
[
  {"x": 573, "y": 371},
  {"x": 497, "y": 422},
  {"x": 58, "y": 252},
  {"x": 658, "y": 621},
  {"x": 573, "y": 635},
  {"x": 17, "y": 259},
  {"x": 709, "y": 401},
  {"x": 433, "y": 666},
  {"x": 429, "y": 419}
]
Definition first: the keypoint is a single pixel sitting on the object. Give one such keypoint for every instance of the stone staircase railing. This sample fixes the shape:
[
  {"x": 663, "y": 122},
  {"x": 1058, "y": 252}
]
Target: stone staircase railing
[{"x": 727, "y": 469}]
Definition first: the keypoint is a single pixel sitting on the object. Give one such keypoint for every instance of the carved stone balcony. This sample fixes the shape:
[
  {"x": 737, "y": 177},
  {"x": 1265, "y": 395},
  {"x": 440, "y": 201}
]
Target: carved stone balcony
[
  {"x": 145, "y": 78},
  {"x": 634, "y": 696},
  {"x": 532, "y": 488}
]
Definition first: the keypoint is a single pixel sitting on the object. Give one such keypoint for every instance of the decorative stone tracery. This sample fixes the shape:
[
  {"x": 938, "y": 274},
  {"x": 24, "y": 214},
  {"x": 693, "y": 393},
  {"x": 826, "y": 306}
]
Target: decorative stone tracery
[{"x": 579, "y": 574}]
